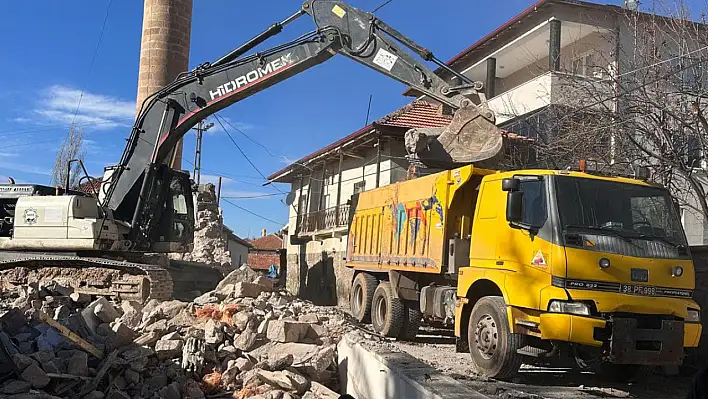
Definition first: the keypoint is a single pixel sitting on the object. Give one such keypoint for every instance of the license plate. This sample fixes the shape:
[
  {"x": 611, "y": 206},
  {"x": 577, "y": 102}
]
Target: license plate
[
  {"x": 638, "y": 290},
  {"x": 641, "y": 275}
]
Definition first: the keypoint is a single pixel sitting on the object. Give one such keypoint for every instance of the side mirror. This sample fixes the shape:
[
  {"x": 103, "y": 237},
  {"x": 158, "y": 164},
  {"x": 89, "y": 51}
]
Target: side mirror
[
  {"x": 510, "y": 184},
  {"x": 514, "y": 209}
]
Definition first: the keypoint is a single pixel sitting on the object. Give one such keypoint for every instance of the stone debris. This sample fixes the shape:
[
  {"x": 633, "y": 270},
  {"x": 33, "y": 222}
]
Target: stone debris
[
  {"x": 245, "y": 339},
  {"x": 210, "y": 239}
]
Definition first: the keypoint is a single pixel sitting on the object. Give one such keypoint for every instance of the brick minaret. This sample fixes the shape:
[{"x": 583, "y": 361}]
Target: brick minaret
[{"x": 164, "y": 49}]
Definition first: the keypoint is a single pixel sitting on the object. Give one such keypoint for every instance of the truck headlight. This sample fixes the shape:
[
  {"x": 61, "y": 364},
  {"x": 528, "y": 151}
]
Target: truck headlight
[
  {"x": 694, "y": 316},
  {"x": 578, "y": 308}
]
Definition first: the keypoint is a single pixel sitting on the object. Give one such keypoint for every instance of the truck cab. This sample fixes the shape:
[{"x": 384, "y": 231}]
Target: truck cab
[{"x": 595, "y": 266}]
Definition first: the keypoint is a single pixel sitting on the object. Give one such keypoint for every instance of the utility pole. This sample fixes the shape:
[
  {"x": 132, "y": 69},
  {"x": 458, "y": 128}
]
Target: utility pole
[{"x": 201, "y": 128}]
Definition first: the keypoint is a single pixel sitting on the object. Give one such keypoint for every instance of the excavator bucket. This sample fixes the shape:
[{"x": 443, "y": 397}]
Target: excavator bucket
[{"x": 471, "y": 137}]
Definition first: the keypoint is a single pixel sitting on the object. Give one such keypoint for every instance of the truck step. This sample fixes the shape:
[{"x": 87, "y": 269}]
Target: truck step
[{"x": 533, "y": 351}]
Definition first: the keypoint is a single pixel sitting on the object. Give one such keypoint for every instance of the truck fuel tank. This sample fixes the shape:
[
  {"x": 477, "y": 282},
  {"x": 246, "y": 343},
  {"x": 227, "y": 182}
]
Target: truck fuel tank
[{"x": 438, "y": 301}]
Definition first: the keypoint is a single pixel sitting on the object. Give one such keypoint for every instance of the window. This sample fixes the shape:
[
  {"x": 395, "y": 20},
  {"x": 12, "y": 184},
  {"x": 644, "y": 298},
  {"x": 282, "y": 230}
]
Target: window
[
  {"x": 632, "y": 210},
  {"x": 359, "y": 187},
  {"x": 534, "y": 203},
  {"x": 587, "y": 65}
]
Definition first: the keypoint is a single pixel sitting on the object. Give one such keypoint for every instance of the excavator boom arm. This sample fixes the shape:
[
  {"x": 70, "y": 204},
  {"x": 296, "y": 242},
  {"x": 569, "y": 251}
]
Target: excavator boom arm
[{"x": 167, "y": 115}]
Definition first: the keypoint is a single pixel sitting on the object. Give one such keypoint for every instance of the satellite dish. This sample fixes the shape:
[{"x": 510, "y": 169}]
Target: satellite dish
[{"x": 631, "y": 5}]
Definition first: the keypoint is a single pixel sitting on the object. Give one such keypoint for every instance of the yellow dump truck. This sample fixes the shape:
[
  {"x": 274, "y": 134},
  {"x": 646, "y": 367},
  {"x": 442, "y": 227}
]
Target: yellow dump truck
[{"x": 528, "y": 265}]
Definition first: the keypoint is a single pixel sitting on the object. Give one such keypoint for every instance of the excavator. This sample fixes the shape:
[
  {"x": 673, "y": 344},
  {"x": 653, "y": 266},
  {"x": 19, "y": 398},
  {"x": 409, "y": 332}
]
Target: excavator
[{"x": 110, "y": 244}]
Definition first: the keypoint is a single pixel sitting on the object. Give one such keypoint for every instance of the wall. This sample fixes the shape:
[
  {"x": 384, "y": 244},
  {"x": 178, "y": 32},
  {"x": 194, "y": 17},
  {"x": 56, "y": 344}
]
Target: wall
[
  {"x": 599, "y": 42},
  {"x": 315, "y": 270},
  {"x": 239, "y": 253}
]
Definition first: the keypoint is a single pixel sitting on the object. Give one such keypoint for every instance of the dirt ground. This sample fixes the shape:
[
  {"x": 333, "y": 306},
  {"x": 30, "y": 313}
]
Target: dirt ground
[{"x": 437, "y": 349}]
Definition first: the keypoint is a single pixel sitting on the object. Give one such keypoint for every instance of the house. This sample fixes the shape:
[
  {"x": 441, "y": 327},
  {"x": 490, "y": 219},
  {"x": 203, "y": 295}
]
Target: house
[
  {"x": 265, "y": 251},
  {"x": 322, "y": 185},
  {"x": 533, "y": 68},
  {"x": 237, "y": 247}
]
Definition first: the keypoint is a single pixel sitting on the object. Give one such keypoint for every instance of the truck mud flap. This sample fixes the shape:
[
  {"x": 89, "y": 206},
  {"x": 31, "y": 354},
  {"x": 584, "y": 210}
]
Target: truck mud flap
[{"x": 633, "y": 345}]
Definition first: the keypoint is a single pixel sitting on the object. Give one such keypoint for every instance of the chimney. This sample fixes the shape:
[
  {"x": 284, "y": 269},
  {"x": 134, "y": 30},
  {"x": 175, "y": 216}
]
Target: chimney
[
  {"x": 164, "y": 50},
  {"x": 263, "y": 233}
]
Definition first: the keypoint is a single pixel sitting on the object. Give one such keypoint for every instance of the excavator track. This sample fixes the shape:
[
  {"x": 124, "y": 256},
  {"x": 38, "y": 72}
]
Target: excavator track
[{"x": 90, "y": 275}]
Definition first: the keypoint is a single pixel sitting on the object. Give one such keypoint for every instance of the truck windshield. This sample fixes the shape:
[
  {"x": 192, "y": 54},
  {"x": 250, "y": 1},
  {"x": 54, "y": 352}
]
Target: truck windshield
[{"x": 627, "y": 210}]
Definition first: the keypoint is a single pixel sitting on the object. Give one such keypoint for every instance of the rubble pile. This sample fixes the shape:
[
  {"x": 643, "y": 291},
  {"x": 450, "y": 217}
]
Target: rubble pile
[
  {"x": 210, "y": 244},
  {"x": 245, "y": 339}
]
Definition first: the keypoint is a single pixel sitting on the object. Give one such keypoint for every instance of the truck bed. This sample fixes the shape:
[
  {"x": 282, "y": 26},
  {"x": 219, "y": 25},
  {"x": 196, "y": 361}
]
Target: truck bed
[{"x": 406, "y": 225}]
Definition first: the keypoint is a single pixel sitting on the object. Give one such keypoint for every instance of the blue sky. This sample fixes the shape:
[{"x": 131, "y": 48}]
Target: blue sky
[{"x": 48, "y": 47}]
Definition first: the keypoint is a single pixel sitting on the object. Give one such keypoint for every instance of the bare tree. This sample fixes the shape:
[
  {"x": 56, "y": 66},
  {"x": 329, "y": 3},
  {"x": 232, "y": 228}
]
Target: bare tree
[
  {"x": 640, "y": 102},
  {"x": 71, "y": 148}
]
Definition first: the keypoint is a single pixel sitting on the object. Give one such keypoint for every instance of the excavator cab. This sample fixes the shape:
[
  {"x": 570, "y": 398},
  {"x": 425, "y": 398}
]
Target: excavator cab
[{"x": 167, "y": 222}]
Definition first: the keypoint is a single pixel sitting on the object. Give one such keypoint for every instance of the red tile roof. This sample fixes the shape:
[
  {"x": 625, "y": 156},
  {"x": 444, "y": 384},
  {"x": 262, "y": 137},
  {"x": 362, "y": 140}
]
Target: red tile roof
[
  {"x": 416, "y": 114},
  {"x": 86, "y": 187},
  {"x": 271, "y": 242}
]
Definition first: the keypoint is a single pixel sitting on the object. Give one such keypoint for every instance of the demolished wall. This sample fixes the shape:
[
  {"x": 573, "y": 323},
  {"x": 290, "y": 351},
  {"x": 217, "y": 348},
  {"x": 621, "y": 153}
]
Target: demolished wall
[
  {"x": 245, "y": 339},
  {"x": 210, "y": 241}
]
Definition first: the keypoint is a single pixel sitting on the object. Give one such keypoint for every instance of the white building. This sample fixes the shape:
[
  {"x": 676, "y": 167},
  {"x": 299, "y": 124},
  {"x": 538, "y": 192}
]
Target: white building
[{"x": 532, "y": 67}]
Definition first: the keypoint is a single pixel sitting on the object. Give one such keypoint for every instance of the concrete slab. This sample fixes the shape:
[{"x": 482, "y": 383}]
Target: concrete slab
[{"x": 368, "y": 370}]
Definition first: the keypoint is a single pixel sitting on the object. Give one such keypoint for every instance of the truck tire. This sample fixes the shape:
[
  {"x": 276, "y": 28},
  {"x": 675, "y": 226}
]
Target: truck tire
[
  {"x": 493, "y": 347},
  {"x": 361, "y": 296},
  {"x": 387, "y": 311},
  {"x": 411, "y": 321}
]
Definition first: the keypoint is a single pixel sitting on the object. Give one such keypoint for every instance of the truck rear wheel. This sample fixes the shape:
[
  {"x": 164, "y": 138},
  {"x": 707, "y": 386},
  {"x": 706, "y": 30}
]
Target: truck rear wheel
[
  {"x": 493, "y": 346},
  {"x": 361, "y": 296},
  {"x": 387, "y": 311},
  {"x": 411, "y": 321}
]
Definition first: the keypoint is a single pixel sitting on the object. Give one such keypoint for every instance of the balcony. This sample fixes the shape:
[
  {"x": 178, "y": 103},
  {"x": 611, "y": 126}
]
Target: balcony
[
  {"x": 550, "y": 88},
  {"x": 325, "y": 222}
]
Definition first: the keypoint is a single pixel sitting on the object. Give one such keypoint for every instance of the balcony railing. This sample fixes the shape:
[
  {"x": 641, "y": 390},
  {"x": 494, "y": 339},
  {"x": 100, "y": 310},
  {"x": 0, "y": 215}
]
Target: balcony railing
[{"x": 329, "y": 218}]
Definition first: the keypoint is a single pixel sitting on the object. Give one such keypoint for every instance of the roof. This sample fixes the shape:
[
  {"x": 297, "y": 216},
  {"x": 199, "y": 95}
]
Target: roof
[
  {"x": 510, "y": 24},
  {"x": 90, "y": 187},
  {"x": 271, "y": 242},
  {"x": 416, "y": 114},
  {"x": 233, "y": 237}
]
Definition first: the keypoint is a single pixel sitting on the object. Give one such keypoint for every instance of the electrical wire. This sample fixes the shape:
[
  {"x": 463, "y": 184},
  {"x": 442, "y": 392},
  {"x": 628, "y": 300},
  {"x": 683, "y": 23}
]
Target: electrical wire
[
  {"x": 250, "y": 139},
  {"x": 30, "y": 130},
  {"x": 251, "y": 212},
  {"x": 218, "y": 119},
  {"x": 382, "y": 5},
  {"x": 32, "y": 143},
  {"x": 93, "y": 59},
  {"x": 252, "y": 196},
  {"x": 227, "y": 175}
]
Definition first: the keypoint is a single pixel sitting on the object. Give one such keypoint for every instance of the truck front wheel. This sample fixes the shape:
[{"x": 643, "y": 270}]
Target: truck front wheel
[
  {"x": 361, "y": 296},
  {"x": 493, "y": 346},
  {"x": 387, "y": 311}
]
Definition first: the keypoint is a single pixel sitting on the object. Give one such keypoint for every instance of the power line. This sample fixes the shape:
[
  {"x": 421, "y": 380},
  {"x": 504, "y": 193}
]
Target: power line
[
  {"x": 382, "y": 5},
  {"x": 251, "y": 212},
  {"x": 229, "y": 176},
  {"x": 253, "y": 196},
  {"x": 250, "y": 139},
  {"x": 218, "y": 119},
  {"x": 13, "y": 132},
  {"x": 32, "y": 143},
  {"x": 93, "y": 59}
]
